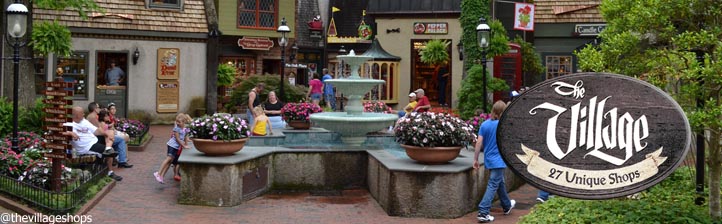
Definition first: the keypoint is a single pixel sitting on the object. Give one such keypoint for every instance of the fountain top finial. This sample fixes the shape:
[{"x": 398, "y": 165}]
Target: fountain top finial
[{"x": 352, "y": 53}]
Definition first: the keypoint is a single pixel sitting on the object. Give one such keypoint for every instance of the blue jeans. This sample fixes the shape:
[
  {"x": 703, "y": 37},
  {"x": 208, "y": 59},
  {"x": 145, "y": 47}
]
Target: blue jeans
[
  {"x": 249, "y": 115},
  {"x": 496, "y": 186},
  {"x": 122, "y": 148},
  {"x": 543, "y": 195},
  {"x": 331, "y": 98}
]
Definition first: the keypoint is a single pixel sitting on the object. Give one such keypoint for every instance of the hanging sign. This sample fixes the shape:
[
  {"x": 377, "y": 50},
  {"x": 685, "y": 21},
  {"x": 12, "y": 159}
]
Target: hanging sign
[
  {"x": 594, "y": 135},
  {"x": 168, "y": 63},
  {"x": 524, "y": 16},
  {"x": 431, "y": 28},
  {"x": 255, "y": 43}
]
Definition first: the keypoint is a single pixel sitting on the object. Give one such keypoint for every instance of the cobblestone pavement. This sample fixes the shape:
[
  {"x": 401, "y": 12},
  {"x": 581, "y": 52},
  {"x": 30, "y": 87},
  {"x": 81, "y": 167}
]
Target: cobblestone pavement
[{"x": 140, "y": 199}]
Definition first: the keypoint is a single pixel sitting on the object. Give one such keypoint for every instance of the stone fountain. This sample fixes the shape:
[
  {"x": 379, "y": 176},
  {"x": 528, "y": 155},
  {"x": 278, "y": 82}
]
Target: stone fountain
[{"x": 353, "y": 124}]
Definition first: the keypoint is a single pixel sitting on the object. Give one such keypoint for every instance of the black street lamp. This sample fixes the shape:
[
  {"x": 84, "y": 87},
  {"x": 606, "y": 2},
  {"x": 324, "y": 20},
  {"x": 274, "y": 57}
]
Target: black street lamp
[
  {"x": 17, "y": 16},
  {"x": 483, "y": 32},
  {"x": 283, "y": 42}
]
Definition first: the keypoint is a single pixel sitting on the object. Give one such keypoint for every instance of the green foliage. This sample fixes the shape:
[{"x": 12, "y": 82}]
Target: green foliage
[
  {"x": 471, "y": 93},
  {"x": 239, "y": 97},
  {"x": 80, "y": 6},
  {"x": 140, "y": 115},
  {"x": 226, "y": 74},
  {"x": 6, "y": 116},
  {"x": 197, "y": 103},
  {"x": 51, "y": 37},
  {"x": 671, "y": 201},
  {"x": 435, "y": 52},
  {"x": 31, "y": 119},
  {"x": 531, "y": 61},
  {"x": 658, "y": 41}
]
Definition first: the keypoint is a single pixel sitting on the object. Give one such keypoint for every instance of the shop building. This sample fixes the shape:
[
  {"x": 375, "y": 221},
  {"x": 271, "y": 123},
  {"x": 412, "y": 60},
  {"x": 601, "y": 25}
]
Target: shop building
[
  {"x": 403, "y": 27},
  {"x": 159, "y": 45}
]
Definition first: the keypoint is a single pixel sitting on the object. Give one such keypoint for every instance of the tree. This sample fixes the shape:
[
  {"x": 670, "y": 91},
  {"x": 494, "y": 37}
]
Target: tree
[
  {"x": 45, "y": 38},
  {"x": 658, "y": 41}
]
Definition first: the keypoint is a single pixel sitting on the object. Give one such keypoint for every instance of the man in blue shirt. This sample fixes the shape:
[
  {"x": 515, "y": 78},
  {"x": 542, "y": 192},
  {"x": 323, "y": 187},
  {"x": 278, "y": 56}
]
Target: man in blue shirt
[
  {"x": 328, "y": 94},
  {"x": 114, "y": 75},
  {"x": 495, "y": 164}
]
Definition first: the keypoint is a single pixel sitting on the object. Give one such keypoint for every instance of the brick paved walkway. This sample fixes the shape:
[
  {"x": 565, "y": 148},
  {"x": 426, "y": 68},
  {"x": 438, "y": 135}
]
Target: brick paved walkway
[{"x": 140, "y": 199}]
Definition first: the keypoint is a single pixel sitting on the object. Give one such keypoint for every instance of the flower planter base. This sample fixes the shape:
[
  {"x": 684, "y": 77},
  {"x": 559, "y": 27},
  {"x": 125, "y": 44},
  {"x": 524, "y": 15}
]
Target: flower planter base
[
  {"x": 219, "y": 148},
  {"x": 301, "y": 125},
  {"x": 432, "y": 155}
]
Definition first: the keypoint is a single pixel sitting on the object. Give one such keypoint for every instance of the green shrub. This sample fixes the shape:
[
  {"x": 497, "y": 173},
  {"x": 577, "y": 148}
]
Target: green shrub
[
  {"x": 671, "y": 201},
  {"x": 471, "y": 93},
  {"x": 141, "y": 115},
  {"x": 197, "y": 106},
  {"x": 6, "y": 116},
  {"x": 240, "y": 94},
  {"x": 226, "y": 74},
  {"x": 435, "y": 52},
  {"x": 31, "y": 119}
]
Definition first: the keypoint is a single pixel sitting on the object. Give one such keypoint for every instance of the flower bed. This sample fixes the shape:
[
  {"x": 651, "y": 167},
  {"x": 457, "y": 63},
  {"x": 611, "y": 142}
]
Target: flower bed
[
  {"x": 476, "y": 121},
  {"x": 377, "y": 107},
  {"x": 134, "y": 128},
  {"x": 26, "y": 175}
]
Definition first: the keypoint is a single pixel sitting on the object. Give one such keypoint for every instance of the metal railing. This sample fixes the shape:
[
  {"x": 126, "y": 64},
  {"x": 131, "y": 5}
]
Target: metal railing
[{"x": 70, "y": 197}]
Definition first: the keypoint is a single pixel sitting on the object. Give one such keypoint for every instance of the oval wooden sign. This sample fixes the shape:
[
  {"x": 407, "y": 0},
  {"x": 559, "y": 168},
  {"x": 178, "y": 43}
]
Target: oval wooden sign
[{"x": 593, "y": 135}]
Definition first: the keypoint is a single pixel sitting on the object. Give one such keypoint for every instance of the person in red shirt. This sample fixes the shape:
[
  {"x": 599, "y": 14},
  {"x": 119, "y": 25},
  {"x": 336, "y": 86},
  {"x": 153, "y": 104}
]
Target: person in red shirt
[
  {"x": 315, "y": 89},
  {"x": 423, "y": 104}
]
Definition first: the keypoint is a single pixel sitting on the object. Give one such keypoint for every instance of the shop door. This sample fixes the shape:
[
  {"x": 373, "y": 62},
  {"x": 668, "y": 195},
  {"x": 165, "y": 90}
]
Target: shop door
[
  {"x": 425, "y": 76},
  {"x": 508, "y": 68},
  {"x": 105, "y": 92}
]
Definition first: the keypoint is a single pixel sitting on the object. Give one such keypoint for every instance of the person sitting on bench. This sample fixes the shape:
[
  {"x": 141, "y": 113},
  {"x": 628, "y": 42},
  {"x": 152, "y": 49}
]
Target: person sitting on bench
[{"x": 87, "y": 140}]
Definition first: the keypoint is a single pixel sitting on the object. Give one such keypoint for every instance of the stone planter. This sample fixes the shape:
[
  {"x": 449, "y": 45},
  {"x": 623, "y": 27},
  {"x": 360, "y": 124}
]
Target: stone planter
[
  {"x": 302, "y": 125},
  {"x": 432, "y": 155},
  {"x": 219, "y": 148}
]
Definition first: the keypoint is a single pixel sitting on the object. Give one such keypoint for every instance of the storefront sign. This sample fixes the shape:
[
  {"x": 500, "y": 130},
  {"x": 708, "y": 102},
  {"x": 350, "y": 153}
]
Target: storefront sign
[
  {"x": 594, "y": 135},
  {"x": 167, "y": 97},
  {"x": 168, "y": 63},
  {"x": 431, "y": 28},
  {"x": 255, "y": 43},
  {"x": 589, "y": 29}
]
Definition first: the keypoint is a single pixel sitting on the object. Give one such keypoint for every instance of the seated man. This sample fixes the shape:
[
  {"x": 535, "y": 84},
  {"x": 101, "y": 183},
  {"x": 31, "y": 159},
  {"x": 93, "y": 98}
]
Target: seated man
[
  {"x": 85, "y": 140},
  {"x": 119, "y": 143}
]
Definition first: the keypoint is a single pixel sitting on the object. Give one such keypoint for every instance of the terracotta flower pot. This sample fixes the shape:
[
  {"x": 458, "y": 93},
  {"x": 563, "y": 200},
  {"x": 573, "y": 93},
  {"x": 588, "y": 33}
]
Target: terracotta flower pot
[
  {"x": 432, "y": 155},
  {"x": 302, "y": 125},
  {"x": 219, "y": 148}
]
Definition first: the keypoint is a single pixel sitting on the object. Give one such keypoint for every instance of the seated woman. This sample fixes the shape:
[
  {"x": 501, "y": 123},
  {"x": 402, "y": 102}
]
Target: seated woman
[
  {"x": 112, "y": 119},
  {"x": 273, "y": 111}
]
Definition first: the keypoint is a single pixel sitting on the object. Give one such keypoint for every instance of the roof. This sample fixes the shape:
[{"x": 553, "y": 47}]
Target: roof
[
  {"x": 567, "y": 11},
  {"x": 379, "y": 53},
  {"x": 349, "y": 18},
  {"x": 305, "y": 12},
  {"x": 133, "y": 15},
  {"x": 413, "y": 6}
]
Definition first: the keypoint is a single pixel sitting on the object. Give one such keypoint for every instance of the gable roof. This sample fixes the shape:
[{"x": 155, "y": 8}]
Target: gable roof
[
  {"x": 567, "y": 11},
  {"x": 414, "y": 6},
  {"x": 133, "y": 15}
]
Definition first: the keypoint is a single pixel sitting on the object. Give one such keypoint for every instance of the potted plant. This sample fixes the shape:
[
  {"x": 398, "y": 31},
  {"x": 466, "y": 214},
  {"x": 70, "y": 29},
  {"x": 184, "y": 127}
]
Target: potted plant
[
  {"x": 298, "y": 115},
  {"x": 433, "y": 138},
  {"x": 377, "y": 107},
  {"x": 219, "y": 135}
]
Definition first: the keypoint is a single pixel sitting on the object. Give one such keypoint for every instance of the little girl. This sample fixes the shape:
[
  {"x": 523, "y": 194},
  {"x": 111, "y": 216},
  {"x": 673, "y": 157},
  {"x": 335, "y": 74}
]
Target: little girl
[
  {"x": 178, "y": 139},
  {"x": 260, "y": 122}
]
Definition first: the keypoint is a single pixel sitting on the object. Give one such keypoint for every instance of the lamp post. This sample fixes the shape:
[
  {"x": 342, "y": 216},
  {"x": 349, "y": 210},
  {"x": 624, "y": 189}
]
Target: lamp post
[
  {"x": 483, "y": 32},
  {"x": 17, "y": 16},
  {"x": 342, "y": 51},
  {"x": 283, "y": 42},
  {"x": 460, "y": 46}
]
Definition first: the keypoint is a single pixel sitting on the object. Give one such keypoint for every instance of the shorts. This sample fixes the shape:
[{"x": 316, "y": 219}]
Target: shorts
[
  {"x": 315, "y": 96},
  {"x": 173, "y": 153},
  {"x": 100, "y": 148}
]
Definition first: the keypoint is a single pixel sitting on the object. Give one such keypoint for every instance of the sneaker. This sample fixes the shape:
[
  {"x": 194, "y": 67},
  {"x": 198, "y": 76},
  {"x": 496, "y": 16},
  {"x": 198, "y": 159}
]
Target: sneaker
[
  {"x": 176, "y": 177},
  {"x": 508, "y": 211},
  {"x": 485, "y": 218},
  {"x": 115, "y": 177},
  {"x": 158, "y": 178},
  {"x": 540, "y": 200},
  {"x": 110, "y": 152}
]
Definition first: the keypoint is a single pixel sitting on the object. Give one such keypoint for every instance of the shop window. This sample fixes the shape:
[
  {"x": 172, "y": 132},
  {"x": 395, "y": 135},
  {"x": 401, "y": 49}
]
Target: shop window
[
  {"x": 39, "y": 73},
  {"x": 382, "y": 71},
  {"x": 165, "y": 4},
  {"x": 558, "y": 65},
  {"x": 257, "y": 14},
  {"x": 74, "y": 68}
]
